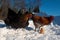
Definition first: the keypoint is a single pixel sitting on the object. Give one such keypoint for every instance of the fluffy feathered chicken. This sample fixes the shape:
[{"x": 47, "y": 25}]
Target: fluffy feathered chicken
[
  {"x": 41, "y": 21},
  {"x": 16, "y": 20}
]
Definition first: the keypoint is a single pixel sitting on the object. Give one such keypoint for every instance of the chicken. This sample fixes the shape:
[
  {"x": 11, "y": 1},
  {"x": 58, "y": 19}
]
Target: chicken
[
  {"x": 16, "y": 20},
  {"x": 41, "y": 21}
]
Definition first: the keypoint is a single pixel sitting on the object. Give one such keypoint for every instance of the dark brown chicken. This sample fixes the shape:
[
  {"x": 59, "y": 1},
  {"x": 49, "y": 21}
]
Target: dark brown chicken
[{"x": 16, "y": 20}]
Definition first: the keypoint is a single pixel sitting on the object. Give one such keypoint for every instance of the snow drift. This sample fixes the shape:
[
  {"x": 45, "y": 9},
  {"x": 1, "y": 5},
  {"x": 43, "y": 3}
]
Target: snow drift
[{"x": 52, "y": 32}]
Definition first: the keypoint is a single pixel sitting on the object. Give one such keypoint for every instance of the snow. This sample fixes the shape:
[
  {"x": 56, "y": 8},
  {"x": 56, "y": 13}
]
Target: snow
[
  {"x": 2, "y": 23},
  {"x": 52, "y": 32}
]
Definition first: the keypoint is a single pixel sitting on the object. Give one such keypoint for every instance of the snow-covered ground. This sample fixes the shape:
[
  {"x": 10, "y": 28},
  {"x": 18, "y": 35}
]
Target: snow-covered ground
[{"x": 52, "y": 32}]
